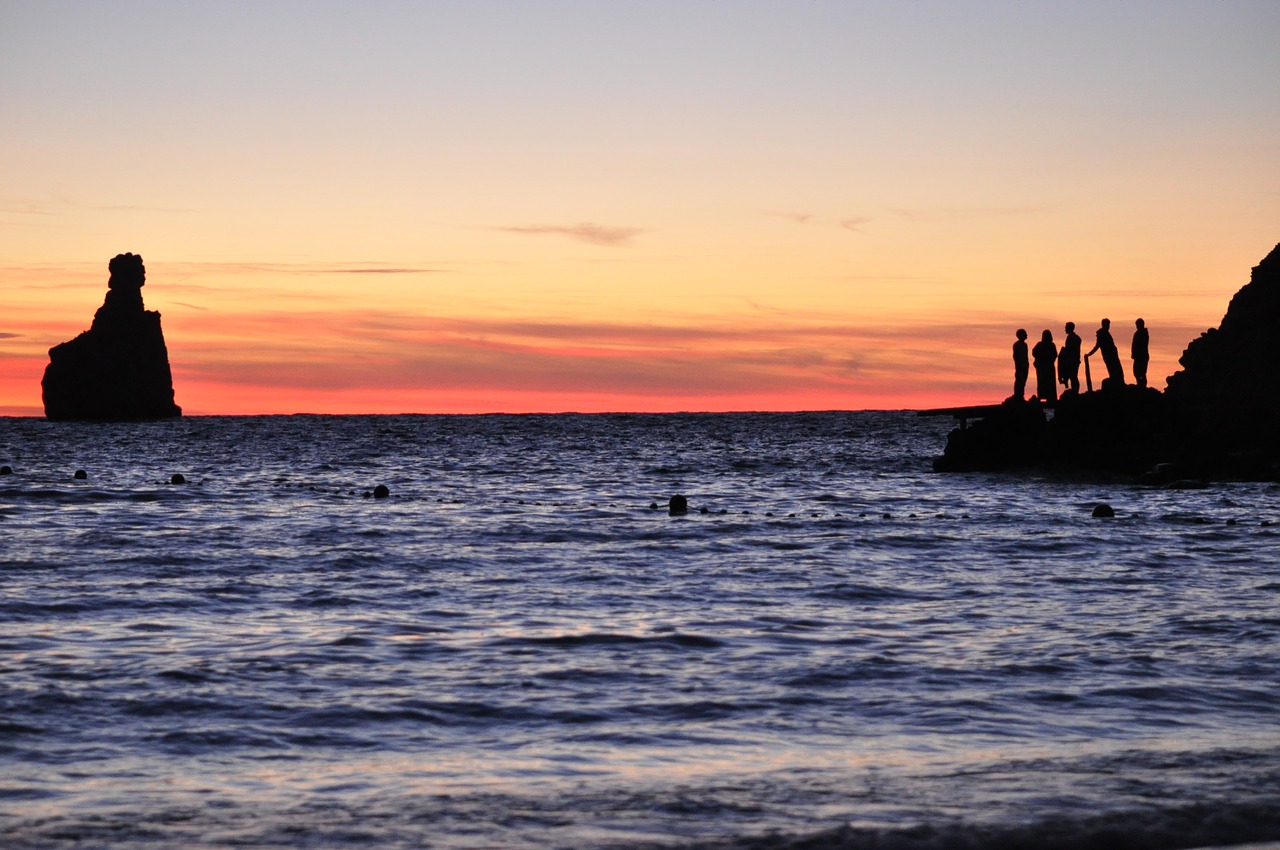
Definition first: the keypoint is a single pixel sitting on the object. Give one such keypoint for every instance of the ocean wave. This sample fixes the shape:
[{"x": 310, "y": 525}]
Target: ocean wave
[
  {"x": 515, "y": 650},
  {"x": 1218, "y": 824}
]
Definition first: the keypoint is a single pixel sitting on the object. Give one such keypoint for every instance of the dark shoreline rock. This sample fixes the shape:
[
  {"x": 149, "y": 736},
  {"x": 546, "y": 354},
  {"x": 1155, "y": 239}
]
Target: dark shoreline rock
[
  {"x": 118, "y": 370},
  {"x": 1218, "y": 419},
  {"x": 1112, "y": 430}
]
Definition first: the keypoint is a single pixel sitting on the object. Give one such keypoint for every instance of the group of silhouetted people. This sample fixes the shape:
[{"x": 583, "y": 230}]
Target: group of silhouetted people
[{"x": 1046, "y": 355}]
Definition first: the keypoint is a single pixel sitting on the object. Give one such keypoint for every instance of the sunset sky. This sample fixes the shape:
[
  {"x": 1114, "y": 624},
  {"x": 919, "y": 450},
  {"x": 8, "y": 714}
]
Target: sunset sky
[{"x": 482, "y": 206}]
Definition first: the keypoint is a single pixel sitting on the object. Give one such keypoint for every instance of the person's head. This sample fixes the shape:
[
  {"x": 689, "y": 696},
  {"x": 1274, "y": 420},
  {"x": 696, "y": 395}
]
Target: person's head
[
  {"x": 1047, "y": 336},
  {"x": 1071, "y": 326},
  {"x": 1141, "y": 324},
  {"x": 1022, "y": 333},
  {"x": 1106, "y": 323}
]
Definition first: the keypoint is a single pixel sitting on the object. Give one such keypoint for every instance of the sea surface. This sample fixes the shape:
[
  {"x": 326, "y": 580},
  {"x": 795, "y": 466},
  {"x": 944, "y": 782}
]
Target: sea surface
[{"x": 520, "y": 648}]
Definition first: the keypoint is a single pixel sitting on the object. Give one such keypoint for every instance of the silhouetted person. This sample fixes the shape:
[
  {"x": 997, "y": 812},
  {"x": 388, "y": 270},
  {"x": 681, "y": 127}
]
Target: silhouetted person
[
  {"x": 1110, "y": 356},
  {"x": 1045, "y": 355},
  {"x": 1141, "y": 356},
  {"x": 1069, "y": 361},
  {"x": 1021, "y": 365}
]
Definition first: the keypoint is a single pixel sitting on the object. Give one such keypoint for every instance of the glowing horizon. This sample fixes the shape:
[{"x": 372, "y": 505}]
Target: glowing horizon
[
  {"x": 611, "y": 207},
  {"x": 375, "y": 360}
]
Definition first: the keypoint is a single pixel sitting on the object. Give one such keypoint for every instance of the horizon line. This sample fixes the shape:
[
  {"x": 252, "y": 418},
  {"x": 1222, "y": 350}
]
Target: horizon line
[{"x": 690, "y": 412}]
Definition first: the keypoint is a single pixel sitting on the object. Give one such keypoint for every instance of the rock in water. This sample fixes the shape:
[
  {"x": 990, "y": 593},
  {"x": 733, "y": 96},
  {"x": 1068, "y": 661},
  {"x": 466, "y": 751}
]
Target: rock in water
[{"x": 118, "y": 370}]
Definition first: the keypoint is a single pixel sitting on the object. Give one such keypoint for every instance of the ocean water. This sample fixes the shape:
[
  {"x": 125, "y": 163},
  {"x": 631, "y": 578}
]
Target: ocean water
[{"x": 835, "y": 648}]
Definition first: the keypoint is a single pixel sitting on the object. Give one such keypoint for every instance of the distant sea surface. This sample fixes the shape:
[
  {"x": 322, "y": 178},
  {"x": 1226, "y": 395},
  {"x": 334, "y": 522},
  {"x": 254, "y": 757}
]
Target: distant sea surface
[{"x": 835, "y": 648}]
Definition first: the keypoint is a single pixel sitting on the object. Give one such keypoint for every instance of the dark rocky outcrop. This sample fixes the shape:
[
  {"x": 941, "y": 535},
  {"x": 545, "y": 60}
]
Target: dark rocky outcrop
[
  {"x": 1237, "y": 360},
  {"x": 118, "y": 370},
  {"x": 1010, "y": 436},
  {"x": 1226, "y": 397},
  {"x": 1116, "y": 430},
  {"x": 1219, "y": 418}
]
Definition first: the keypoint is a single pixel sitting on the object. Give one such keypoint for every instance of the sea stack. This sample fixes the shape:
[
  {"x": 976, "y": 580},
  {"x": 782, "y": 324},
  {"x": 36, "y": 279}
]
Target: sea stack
[{"x": 118, "y": 370}]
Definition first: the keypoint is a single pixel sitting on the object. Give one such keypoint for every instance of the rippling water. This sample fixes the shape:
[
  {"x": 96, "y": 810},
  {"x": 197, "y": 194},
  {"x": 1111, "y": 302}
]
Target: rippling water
[{"x": 516, "y": 649}]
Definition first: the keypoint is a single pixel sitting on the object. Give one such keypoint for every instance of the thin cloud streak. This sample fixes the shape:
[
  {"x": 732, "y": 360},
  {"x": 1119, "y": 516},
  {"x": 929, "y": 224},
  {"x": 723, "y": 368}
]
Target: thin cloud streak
[
  {"x": 945, "y": 214},
  {"x": 1177, "y": 294},
  {"x": 139, "y": 208},
  {"x": 239, "y": 268},
  {"x": 60, "y": 205},
  {"x": 850, "y": 223},
  {"x": 176, "y": 273},
  {"x": 592, "y": 234},
  {"x": 855, "y": 223}
]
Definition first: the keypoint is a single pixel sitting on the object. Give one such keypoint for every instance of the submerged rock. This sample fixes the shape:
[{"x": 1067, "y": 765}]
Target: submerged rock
[{"x": 118, "y": 370}]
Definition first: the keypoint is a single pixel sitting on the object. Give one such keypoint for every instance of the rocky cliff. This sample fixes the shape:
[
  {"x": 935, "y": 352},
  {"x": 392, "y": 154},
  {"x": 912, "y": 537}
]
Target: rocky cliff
[
  {"x": 118, "y": 370},
  {"x": 1218, "y": 419},
  {"x": 1237, "y": 360},
  {"x": 1226, "y": 397}
]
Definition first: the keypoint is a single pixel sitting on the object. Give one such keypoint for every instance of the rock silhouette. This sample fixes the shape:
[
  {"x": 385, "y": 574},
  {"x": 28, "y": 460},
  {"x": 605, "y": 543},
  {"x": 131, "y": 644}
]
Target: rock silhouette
[
  {"x": 1219, "y": 417},
  {"x": 118, "y": 370},
  {"x": 1227, "y": 394},
  {"x": 1237, "y": 360}
]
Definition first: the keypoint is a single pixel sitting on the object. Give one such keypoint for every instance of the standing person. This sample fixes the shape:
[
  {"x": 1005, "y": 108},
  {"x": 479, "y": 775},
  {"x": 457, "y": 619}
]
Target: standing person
[
  {"x": 1021, "y": 366},
  {"x": 1069, "y": 361},
  {"x": 1110, "y": 356},
  {"x": 1141, "y": 356},
  {"x": 1045, "y": 354}
]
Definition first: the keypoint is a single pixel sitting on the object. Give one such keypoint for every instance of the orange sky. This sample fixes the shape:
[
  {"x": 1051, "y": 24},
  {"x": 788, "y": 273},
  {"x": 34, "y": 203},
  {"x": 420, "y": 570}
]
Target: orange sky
[{"x": 618, "y": 206}]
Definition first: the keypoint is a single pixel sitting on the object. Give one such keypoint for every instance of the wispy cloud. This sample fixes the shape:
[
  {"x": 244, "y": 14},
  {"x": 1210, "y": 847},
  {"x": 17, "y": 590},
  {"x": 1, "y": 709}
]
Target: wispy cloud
[
  {"x": 9, "y": 336},
  {"x": 928, "y": 214},
  {"x": 48, "y": 273},
  {"x": 1152, "y": 292},
  {"x": 59, "y": 205},
  {"x": 852, "y": 223},
  {"x": 27, "y": 208},
  {"x": 898, "y": 277},
  {"x": 139, "y": 208},
  {"x": 593, "y": 234},
  {"x": 380, "y": 271},
  {"x": 797, "y": 217},
  {"x": 355, "y": 267}
]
